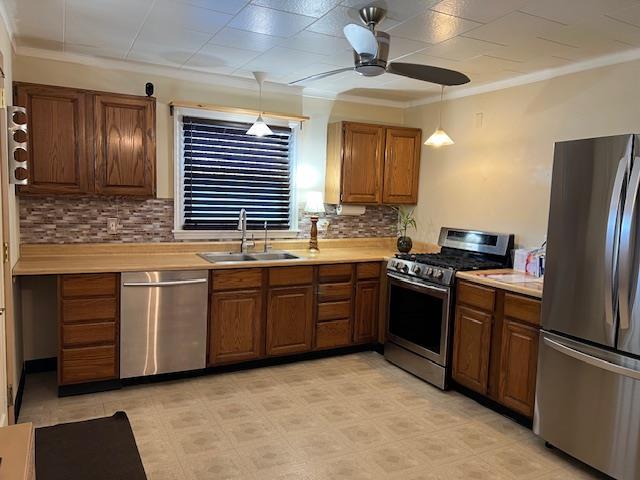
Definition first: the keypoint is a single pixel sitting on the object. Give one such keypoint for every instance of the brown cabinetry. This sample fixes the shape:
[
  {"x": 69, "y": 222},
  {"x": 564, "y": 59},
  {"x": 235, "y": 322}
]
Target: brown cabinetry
[
  {"x": 289, "y": 320},
  {"x": 88, "y": 328},
  {"x": 334, "y": 320},
  {"x": 366, "y": 318},
  {"x": 81, "y": 141},
  {"x": 495, "y": 345},
  {"x": 372, "y": 164}
]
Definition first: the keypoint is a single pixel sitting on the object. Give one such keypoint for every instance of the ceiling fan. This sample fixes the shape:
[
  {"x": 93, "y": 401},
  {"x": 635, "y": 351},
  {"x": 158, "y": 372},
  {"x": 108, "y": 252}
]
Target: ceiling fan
[{"x": 371, "y": 50}]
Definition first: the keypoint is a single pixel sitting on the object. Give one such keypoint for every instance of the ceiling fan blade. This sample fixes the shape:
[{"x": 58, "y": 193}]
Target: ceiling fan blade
[
  {"x": 361, "y": 39},
  {"x": 428, "y": 73},
  {"x": 318, "y": 76}
]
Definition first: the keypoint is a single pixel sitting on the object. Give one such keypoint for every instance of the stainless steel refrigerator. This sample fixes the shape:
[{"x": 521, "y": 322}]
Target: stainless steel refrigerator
[{"x": 588, "y": 387}]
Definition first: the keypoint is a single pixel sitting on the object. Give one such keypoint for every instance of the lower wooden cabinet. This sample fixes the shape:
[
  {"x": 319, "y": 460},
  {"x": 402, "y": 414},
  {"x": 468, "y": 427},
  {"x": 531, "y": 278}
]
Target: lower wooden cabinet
[
  {"x": 366, "y": 311},
  {"x": 289, "y": 320},
  {"x": 235, "y": 326},
  {"x": 518, "y": 365},
  {"x": 89, "y": 327},
  {"x": 495, "y": 345},
  {"x": 471, "y": 348}
]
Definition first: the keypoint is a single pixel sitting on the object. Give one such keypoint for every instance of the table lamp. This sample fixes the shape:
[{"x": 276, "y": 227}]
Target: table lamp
[{"x": 314, "y": 206}]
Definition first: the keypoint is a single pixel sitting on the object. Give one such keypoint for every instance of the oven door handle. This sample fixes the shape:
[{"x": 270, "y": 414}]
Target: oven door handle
[{"x": 416, "y": 284}]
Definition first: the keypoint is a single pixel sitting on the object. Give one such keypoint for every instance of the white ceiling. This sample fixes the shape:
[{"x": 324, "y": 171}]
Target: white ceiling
[{"x": 489, "y": 40}]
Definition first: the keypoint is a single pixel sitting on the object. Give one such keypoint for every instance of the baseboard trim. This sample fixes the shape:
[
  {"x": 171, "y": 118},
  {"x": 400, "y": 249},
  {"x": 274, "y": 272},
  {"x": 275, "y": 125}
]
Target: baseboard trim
[
  {"x": 17, "y": 403},
  {"x": 40, "y": 365}
]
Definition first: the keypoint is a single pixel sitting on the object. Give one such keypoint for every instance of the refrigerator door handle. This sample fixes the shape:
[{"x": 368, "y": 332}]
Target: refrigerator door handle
[
  {"x": 594, "y": 361},
  {"x": 626, "y": 247},
  {"x": 610, "y": 264}
]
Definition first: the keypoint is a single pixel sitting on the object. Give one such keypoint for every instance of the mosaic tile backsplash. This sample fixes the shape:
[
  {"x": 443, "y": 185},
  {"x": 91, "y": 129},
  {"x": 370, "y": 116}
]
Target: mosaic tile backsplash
[{"x": 83, "y": 219}]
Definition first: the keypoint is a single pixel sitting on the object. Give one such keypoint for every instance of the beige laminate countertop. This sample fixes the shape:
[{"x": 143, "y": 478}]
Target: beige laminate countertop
[
  {"x": 520, "y": 283},
  {"x": 102, "y": 258}
]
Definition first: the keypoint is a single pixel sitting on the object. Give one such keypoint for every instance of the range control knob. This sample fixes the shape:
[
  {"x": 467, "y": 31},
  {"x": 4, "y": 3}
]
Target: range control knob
[
  {"x": 437, "y": 274},
  {"x": 405, "y": 268},
  {"x": 398, "y": 266},
  {"x": 429, "y": 271},
  {"x": 417, "y": 270}
]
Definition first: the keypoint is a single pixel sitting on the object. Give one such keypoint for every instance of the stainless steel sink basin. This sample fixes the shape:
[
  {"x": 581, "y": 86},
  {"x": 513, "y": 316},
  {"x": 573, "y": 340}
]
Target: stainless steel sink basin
[
  {"x": 218, "y": 257},
  {"x": 274, "y": 256}
]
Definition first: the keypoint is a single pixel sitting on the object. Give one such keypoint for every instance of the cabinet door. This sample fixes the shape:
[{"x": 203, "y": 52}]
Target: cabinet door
[
  {"x": 125, "y": 145},
  {"x": 471, "y": 348},
  {"x": 290, "y": 320},
  {"x": 518, "y": 365},
  {"x": 235, "y": 326},
  {"x": 57, "y": 158},
  {"x": 401, "y": 165},
  {"x": 366, "y": 314},
  {"x": 363, "y": 153}
]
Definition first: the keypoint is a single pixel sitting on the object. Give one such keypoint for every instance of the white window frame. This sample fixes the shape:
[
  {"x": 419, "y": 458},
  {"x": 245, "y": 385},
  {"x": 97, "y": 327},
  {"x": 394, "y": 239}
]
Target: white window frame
[{"x": 178, "y": 177}]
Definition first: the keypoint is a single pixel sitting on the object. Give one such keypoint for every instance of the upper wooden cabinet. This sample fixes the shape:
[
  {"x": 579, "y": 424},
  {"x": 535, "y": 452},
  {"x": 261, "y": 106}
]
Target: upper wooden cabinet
[
  {"x": 124, "y": 129},
  {"x": 372, "y": 164},
  {"x": 82, "y": 141}
]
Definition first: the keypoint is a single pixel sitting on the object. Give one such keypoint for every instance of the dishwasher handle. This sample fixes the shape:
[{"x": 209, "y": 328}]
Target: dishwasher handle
[{"x": 165, "y": 284}]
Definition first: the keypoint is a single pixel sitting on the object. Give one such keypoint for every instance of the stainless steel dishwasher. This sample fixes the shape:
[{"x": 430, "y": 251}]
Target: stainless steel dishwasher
[{"x": 163, "y": 322}]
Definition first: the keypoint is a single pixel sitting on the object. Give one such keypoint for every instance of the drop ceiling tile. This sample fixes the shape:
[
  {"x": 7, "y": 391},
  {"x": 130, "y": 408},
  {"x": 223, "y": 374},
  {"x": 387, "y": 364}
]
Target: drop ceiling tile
[
  {"x": 542, "y": 63},
  {"x": 401, "y": 47},
  {"x": 571, "y": 12},
  {"x": 399, "y": 10},
  {"x": 179, "y": 15},
  {"x": 616, "y": 30},
  {"x": 231, "y": 37},
  {"x": 425, "y": 59},
  {"x": 484, "y": 12},
  {"x": 310, "y": 8},
  {"x": 165, "y": 45},
  {"x": 629, "y": 15},
  {"x": 218, "y": 59},
  {"x": 269, "y": 21},
  {"x": 461, "y": 48},
  {"x": 433, "y": 27},
  {"x": 280, "y": 61},
  {"x": 336, "y": 47},
  {"x": 101, "y": 29},
  {"x": 515, "y": 26},
  {"x": 312, "y": 69},
  {"x": 334, "y": 21},
  {"x": 38, "y": 24},
  {"x": 590, "y": 41},
  {"x": 224, "y": 6},
  {"x": 487, "y": 64}
]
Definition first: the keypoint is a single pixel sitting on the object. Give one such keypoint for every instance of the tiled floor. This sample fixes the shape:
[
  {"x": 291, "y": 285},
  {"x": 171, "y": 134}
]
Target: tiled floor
[{"x": 350, "y": 417}]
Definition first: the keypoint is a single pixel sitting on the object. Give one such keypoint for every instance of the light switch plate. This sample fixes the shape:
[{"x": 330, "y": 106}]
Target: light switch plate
[{"x": 112, "y": 226}]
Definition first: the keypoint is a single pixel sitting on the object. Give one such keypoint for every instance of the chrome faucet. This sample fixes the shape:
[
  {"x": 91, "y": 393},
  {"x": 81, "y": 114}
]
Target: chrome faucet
[{"x": 245, "y": 244}]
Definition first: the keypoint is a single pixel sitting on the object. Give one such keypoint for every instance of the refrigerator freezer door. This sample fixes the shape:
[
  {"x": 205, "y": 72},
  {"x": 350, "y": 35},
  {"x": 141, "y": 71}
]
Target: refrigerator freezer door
[
  {"x": 580, "y": 288},
  {"x": 588, "y": 405}
]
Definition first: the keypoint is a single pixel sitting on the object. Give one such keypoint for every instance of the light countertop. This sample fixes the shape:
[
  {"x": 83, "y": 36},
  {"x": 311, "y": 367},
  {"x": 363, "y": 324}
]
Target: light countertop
[
  {"x": 506, "y": 279},
  {"x": 99, "y": 258}
]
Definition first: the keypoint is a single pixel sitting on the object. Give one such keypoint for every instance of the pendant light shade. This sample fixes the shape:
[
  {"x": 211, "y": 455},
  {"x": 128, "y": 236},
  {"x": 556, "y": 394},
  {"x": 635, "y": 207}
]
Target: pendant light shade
[
  {"x": 439, "y": 138},
  {"x": 259, "y": 127}
]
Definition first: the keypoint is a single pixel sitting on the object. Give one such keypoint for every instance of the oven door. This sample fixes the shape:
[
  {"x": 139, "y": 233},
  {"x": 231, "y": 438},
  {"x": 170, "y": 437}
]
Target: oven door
[{"x": 418, "y": 317}]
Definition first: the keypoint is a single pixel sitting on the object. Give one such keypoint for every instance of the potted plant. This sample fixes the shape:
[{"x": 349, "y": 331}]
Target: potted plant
[{"x": 405, "y": 220}]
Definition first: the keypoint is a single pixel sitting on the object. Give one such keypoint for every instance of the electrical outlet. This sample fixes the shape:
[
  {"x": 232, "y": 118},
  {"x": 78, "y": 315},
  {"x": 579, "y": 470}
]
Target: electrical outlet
[{"x": 112, "y": 226}]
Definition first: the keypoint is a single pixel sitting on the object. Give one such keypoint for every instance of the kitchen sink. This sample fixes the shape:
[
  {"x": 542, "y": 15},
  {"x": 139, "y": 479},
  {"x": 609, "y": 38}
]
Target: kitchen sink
[
  {"x": 219, "y": 257},
  {"x": 274, "y": 256}
]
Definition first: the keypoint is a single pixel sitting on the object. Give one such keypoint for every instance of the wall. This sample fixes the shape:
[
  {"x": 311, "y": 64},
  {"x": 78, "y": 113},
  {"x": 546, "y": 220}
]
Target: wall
[{"x": 497, "y": 175}]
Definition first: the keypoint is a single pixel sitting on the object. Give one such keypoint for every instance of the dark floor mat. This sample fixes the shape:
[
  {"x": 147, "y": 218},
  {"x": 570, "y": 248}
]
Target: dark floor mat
[{"x": 100, "y": 449}]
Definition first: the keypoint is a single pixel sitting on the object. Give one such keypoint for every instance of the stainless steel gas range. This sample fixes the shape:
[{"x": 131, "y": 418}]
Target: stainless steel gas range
[{"x": 421, "y": 291}]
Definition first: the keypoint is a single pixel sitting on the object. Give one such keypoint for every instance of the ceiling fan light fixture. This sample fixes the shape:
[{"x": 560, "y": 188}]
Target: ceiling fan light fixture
[
  {"x": 439, "y": 138},
  {"x": 259, "y": 128}
]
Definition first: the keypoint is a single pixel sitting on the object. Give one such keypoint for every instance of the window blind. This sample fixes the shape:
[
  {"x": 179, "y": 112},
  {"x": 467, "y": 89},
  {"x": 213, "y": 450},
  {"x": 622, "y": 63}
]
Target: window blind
[{"x": 226, "y": 170}]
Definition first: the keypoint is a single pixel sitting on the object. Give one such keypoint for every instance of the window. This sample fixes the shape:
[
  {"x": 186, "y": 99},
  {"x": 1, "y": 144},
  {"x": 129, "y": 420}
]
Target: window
[{"x": 221, "y": 170}]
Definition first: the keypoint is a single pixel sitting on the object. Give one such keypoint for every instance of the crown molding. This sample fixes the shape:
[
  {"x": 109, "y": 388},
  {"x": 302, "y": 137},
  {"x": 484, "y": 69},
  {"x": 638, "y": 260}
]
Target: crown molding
[{"x": 539, "y": 76}]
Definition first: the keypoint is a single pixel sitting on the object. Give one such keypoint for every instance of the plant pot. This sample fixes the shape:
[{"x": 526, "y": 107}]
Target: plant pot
[{"x": 404, "y": 244}]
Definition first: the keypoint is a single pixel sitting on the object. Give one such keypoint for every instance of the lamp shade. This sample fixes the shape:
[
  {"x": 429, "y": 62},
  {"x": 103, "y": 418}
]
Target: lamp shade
[
  {"x": 315, "y": 203},
  {"x": 259, "y": 128},
  {"x": 439, "y": 138}
]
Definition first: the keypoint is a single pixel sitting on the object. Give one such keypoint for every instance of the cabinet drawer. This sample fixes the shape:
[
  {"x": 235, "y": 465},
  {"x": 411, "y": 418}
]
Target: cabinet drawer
[
  {"x": 89, "y": 309},
  {"x": 334, "y": 311},
  {"x": 522, "y": 308},
  {"x": 335, "y": 273},
  {"x": 476, "y": 296},
  {"x": 368, "y": 270},
  {"x": 283, "y": 276},
  {"x": 88, "y": 364},
  {"x": 90, "y": 285},
  {"x": 332, "y": 292},
  {"x": 88, "y": 334},
  {"x": 237, "y": 279},
  {"x": 333, "y": 334}
]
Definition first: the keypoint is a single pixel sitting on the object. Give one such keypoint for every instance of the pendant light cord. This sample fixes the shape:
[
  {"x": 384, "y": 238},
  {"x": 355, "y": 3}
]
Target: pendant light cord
[{"x": 441, "y": 100}]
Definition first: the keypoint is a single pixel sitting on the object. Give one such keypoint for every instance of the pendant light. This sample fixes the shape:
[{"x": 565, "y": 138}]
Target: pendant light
[
  {"x": 259, "y": 128},
  {"x": 439, "y": 138}
]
